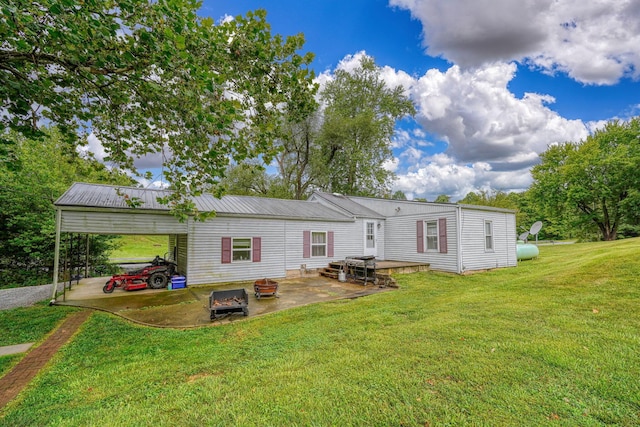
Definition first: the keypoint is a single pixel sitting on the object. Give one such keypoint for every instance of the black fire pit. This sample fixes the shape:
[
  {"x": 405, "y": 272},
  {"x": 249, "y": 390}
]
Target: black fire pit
[{"x": 222, "y": 303}]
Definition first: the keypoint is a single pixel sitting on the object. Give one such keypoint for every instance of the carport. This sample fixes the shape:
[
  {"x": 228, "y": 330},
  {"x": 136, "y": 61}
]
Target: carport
[{"x": 103, "y": 211}]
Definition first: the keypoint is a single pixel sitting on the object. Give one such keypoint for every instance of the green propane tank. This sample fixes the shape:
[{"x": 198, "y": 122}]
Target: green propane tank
[{"x": 526, "y": 251}]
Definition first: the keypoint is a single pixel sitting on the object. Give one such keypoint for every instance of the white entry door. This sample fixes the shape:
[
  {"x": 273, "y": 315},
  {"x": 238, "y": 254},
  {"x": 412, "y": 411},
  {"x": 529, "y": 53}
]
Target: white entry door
[{"x": 370, "y": 238}]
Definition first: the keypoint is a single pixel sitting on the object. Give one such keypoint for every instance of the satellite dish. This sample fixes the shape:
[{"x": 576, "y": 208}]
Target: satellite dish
[
  {"x": 535, "y": 228},
  {"x": 524, "y": 236}
]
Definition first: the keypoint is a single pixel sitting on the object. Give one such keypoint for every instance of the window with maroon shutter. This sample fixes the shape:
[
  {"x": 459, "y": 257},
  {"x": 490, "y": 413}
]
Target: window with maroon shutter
[
  {"x": 442, "y": 234},
  {"x": 306, "y": 244},
  {"x": 420, "y": 236},
  {"x": 226, "y": 250},
  {"x": 431, "y": 236},
  {"x": 318, "y": 243},
  {"x": 330, "y": 243},
  {"x": 257, "y": 249}
]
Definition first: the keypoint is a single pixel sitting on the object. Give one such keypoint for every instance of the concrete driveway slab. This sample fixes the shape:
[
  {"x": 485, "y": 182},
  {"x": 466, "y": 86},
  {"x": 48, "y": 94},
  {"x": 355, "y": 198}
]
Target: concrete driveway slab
[{"x": 189, "y": 307}]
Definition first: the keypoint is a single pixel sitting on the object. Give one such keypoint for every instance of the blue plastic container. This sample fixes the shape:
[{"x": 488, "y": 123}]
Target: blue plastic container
[{"x": 178, "y": 282}]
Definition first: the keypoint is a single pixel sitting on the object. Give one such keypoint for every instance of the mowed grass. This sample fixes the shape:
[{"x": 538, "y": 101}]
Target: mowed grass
[
  {"x": 140, "y": 246},
  {"x": 554, "y": 341}
]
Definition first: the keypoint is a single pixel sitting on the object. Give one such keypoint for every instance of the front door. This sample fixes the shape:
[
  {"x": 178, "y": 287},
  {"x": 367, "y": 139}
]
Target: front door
[{"x": 370, "y": 238}]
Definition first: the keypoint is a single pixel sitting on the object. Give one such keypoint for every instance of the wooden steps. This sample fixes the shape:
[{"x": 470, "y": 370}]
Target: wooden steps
[{"x": 332, "y": 270}]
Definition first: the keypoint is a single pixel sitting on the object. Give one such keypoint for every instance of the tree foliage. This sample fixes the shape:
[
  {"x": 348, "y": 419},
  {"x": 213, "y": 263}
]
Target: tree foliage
[
  {"x": 251, "y": 179},
  {"x": 442, "y": 198},
  {"x": 144, "y": 77},
  {"x": 594, "y": 184},
  {"x": 41, "y": 171},
  {"x": 298, "y": 151},
  {"x": 359, "y": 120}
]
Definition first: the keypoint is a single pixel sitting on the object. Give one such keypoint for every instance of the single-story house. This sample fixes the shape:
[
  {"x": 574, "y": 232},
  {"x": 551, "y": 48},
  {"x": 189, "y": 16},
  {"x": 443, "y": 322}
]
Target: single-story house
[{"x": 253, "y": 237}]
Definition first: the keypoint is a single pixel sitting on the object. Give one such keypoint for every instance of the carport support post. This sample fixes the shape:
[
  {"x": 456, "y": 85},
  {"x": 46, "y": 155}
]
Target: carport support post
[{"x": 56, "y": 256}]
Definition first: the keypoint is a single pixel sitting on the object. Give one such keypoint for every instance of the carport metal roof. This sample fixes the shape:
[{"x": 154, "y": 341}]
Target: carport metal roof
[{"x": 83, "y": 195}]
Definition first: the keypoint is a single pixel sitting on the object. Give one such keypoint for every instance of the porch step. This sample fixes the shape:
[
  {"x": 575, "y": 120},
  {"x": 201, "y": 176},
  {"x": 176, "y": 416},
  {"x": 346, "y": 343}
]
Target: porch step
[{"x": 330, "y": 271}]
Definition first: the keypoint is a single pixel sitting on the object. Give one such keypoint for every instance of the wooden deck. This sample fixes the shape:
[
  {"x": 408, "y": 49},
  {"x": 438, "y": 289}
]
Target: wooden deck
[
  {"x": 382, "y": 268},
  {"x": 400, "y": 267}
]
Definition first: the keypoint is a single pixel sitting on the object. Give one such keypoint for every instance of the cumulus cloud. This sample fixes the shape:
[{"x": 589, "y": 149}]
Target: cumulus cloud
[
  {"x": 93, "y": 147},
  {"x": 592, "y": 42},
  {"x": 440, "y": 174},
  {"x": 481, "y": 120},
  {"x": 492, "y": 137}
]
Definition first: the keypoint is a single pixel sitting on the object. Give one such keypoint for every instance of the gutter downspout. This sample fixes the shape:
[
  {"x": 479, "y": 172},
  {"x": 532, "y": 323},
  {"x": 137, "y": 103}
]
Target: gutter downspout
[
  {"x": 56, "y": 257},
  {"x": 459, "y": 238}
]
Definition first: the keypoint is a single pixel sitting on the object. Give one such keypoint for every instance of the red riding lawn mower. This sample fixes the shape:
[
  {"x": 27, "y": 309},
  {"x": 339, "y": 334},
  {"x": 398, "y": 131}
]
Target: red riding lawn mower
[{"x": 154, "y": 276}]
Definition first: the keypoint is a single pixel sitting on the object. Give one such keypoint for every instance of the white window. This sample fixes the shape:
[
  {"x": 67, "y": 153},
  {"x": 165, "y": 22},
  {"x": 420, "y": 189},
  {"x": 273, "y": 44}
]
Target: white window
[
  {"x": 432, "y": 235},
  {"x": 488, "y": 235},
  {"x": 242, "y": 249},
  {"x": 318, "y": 243},
  {"x": 371, "y": 235}
]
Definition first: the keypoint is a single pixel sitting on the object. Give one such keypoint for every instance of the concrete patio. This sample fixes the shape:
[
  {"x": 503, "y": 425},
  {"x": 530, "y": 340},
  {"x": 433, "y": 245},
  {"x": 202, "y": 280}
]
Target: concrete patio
[{"x": 188, "y": 307}]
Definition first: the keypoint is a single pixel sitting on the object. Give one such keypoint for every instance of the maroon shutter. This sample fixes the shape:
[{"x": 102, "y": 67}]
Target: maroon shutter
[
  {"x": 330, "y": 243},
  {"x": 420, "y": 236},
  {"x": 226, "y": 250},
  {"x": 306, "y": 244},
  {"x": 257, "y": 249},
  {"x": 442, "y": 234}
]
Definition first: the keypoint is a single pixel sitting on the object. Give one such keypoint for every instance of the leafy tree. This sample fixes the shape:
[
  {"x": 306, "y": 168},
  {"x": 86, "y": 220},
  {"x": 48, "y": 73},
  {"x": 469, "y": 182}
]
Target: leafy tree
[
  {"x": 497, "y": 199},
  {"x": 251, "y": 179},
  {"x": 442, "y": 198},
  {"x": 297, "y": 149},
  {"x": 593, "y": 184},
  {"x": 399, "y": 195},
  {"x": 150, "y": 76},
  {"x": 41, "y": 171},
  {"x": 359, "y": 119}
]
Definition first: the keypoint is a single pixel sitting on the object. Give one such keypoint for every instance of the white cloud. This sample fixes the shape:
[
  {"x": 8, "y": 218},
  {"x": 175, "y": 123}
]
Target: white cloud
[
  {"x": 154, "y": 184},
  {"x": 594, "y": 42},
  {"x": 391, "y": 165},
  {"x": 492, "y": 137},
  {"x": 481, "y": 120},
  {"x": 94, "y": 146},
  {"x": 441, "y": 175}
]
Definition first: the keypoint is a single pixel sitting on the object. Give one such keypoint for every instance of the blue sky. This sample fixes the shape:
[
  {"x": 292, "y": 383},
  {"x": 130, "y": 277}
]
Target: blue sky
[{"x": 494, "y": 81}]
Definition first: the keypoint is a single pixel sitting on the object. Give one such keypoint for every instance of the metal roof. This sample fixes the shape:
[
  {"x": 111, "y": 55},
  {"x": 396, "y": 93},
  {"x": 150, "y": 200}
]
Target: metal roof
[
  {"x": 107, "y": 197},
  {"x": 348, "y": 205}
]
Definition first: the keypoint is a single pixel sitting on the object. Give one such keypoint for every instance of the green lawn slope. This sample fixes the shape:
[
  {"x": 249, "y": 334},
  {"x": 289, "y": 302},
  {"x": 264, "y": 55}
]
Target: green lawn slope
[{"x": 553, "y": 341}]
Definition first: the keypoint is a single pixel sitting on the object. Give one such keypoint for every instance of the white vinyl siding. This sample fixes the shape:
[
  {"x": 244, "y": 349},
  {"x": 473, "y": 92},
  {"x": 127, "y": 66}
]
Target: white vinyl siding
[
  {"x": 475, "y": 256},
  {"x": 402, "y": 246},
  {"x": 94, "y": 222},
  {"x": 205, "y": 249},
  {"x": 348, "y": 237}
]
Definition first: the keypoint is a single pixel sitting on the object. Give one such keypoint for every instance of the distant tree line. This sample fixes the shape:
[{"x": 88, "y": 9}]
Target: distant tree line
[{"x": 39, "y": 172}]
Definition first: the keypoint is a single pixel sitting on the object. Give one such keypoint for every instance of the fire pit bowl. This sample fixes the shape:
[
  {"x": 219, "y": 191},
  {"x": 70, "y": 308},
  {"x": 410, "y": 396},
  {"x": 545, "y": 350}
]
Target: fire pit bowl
[{"x": 265, "y": 288}]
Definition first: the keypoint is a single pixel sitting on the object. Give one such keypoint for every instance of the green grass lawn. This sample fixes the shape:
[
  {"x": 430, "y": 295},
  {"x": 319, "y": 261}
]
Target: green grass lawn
[
  {"x": 554, "y": 341},
  {"x": 136, "y": 246}
]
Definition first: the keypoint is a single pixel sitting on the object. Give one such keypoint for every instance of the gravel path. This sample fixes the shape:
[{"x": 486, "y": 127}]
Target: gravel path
[{"x": 26, "y": 296}]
